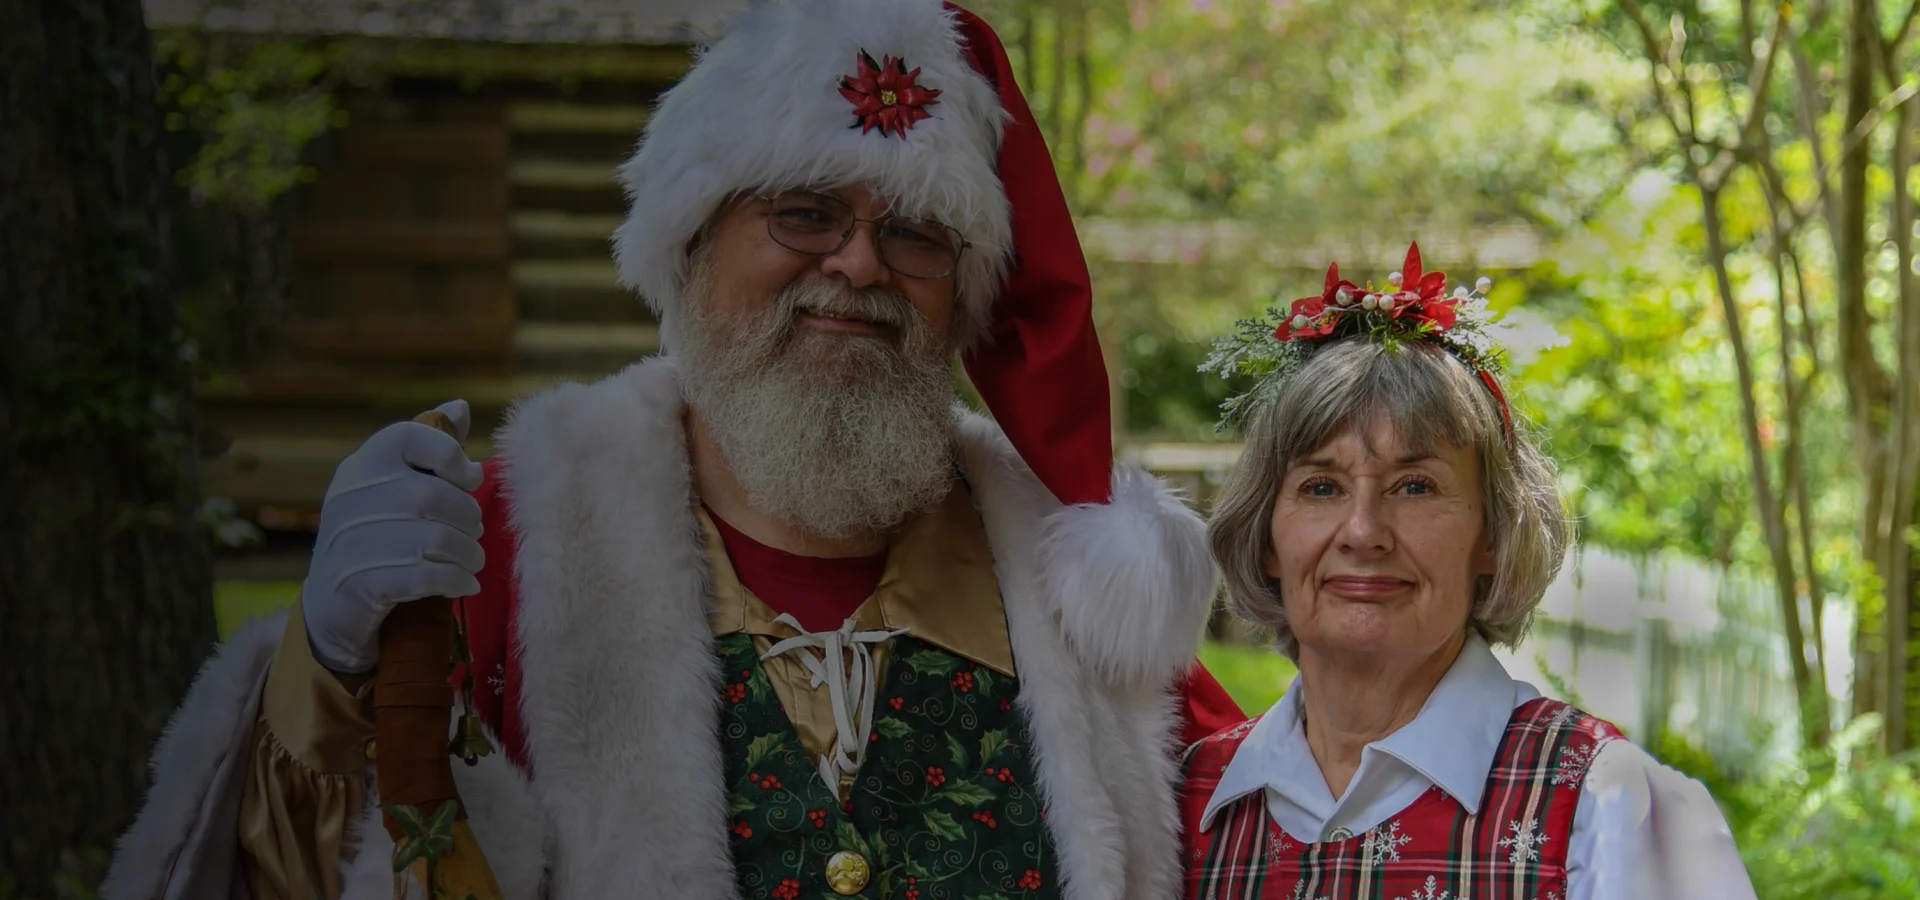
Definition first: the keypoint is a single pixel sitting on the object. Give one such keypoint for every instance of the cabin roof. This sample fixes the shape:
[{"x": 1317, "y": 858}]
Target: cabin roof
[{"x": 512, "y": 21}]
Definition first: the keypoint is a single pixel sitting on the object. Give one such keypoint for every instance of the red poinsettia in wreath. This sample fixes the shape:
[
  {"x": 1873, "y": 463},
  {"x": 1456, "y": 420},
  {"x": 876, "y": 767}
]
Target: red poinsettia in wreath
[{"x": 884, "y": 95}]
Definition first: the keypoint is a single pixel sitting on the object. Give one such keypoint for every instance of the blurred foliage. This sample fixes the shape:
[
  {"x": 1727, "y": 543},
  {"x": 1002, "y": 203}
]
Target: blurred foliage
[
  {"x": 1363, "y": 124},
  {"x": 1841, "y": 824},
  {"x": 251, "y": 106}
]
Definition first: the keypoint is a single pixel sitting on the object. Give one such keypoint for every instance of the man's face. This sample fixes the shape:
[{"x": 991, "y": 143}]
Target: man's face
[
  {"x": 824, "y": 379},
  {"x": 751, "y": 270}
]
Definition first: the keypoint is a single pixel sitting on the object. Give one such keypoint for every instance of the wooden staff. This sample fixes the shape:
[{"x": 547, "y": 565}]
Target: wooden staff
[{"x": 413, "y": 699}]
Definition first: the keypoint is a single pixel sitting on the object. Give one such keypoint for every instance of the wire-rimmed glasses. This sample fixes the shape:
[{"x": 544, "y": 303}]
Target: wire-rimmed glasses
[{"x": 818, "y": 224}]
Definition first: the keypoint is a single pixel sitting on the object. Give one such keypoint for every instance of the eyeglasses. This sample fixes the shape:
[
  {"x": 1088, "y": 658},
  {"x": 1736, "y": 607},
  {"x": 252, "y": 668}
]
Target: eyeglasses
[{"x": 818, "y": 224}]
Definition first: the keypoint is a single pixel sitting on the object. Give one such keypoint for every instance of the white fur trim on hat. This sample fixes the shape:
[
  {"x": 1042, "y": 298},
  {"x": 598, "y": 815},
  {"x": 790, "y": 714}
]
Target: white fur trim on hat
[{"x": 761, "y": 109}]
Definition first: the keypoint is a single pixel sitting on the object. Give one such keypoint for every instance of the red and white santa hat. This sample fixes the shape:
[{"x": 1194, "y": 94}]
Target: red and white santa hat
[
  {"x": 916, "y": 100},
  {"x": 832, "y": 92}
]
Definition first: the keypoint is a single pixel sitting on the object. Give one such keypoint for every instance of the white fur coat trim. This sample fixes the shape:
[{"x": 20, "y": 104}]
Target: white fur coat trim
[
  {"x": 620, "y": 690},
  {"x": 175, "y": 848}
]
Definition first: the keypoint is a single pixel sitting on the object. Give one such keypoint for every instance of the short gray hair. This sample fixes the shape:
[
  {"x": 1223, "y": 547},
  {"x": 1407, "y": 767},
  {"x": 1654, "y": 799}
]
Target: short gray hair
[{"x": 1427, "y": 396}]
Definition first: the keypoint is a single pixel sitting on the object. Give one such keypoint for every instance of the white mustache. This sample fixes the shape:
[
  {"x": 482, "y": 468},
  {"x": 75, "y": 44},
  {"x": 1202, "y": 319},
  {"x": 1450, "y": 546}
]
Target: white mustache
[{"x": 879, "y": 306}]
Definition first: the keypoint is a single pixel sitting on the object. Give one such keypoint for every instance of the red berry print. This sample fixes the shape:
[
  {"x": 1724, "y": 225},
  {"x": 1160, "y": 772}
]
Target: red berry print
[
  {"x": 963, "y": 681},
  {"x": 818, "y": 817},
  {"x": 736, "y": 693},
  {"x": 1031, "y": 880},
  {"x": 743, "y": 829},
  {"x": 936, "y": 776},
  {"x": 913, "y": 893},
  {"x": 1005, "y": 775},
  {"x": 788, "y": 889},
  {"x": 1005, "y": 704},
  {"x": 770, "y": 782},
  {"x": 986, "y": 818},
  {"x": 896, "y": 703}
]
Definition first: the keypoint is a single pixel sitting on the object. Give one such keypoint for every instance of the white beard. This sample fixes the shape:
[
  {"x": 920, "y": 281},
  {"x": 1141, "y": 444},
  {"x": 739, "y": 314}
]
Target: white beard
[{"x": 827, "y": 432}]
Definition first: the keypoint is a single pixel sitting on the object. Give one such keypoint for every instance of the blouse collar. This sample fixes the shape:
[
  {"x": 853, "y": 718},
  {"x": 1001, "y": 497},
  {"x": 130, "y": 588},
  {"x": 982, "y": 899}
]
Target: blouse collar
[{"x": 1451, "y": 742}]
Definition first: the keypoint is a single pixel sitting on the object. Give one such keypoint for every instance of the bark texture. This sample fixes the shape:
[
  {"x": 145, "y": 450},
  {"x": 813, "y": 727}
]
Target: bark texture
[{"x": 105, "y": 585}]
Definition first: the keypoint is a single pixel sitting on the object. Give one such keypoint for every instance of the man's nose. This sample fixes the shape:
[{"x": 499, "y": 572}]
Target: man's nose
[{"x": 858, "y": 260}]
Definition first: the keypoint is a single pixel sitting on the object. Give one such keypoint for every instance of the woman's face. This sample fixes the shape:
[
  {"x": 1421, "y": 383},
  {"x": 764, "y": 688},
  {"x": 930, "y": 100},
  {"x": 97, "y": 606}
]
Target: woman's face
[{"x": 1377, "y": 554}]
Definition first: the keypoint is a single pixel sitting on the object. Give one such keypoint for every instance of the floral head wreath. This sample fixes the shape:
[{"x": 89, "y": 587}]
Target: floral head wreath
[{"x": 1416, "y": 307}]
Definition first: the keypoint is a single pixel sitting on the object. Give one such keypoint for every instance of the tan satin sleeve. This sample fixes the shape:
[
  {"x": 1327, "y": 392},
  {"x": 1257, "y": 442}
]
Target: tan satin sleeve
[{"x": 307, "y": 776}]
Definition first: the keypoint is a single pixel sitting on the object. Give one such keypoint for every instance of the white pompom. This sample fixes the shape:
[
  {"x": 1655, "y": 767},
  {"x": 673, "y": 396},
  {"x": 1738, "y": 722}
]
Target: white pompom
[
  {"x": 1343, "y": 297},
  {"x": 1484, "y": 284},
  {"x": 1460, "y": 293},
  {"x": 1367, "y": 302},
  {"x": 1299, "y": 323},
  {"x": 1394, "y": 279}
]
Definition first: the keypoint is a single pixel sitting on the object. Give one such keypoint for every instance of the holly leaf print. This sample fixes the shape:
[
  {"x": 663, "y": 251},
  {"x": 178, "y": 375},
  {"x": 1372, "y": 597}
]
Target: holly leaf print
[
  {"x": 927, "y": 662},
  {"x": 983, "y": 681},
  {"x": 944, "y": 827},
  {"x": 991, "y": 744},
  {"x": 891, "y": 727},
  {"x": 849, "y": 838},
  {"x": 958, "y": 750},
  {"x": 758, "y": 687},
  {"x": 965, "y": 793},
  {"x": 738, "y": 803},
  {"x": 760, "y": 747}
]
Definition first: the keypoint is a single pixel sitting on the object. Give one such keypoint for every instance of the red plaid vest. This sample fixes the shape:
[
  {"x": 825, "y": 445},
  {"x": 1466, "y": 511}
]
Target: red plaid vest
[{"x": 1514, "y": 848}]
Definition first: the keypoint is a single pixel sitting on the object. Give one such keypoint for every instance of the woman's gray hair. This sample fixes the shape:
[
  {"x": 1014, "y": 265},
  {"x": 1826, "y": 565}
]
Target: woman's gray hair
[{"x": 1427, "y": 396}]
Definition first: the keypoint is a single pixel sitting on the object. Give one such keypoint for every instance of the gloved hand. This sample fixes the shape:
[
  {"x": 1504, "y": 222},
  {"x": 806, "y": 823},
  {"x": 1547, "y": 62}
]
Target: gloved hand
[{"x": 397, "y": 524}]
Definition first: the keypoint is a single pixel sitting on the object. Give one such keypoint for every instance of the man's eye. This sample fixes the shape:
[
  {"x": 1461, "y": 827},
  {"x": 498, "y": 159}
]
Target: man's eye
[{"x": 806, "y": 217}]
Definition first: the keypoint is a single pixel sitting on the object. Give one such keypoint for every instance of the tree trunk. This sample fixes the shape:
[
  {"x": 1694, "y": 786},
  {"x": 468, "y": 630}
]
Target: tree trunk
[
  {"x": 1903, "y": 469},
  {"x": 105, "y": 585},
  {"x": 1812, "y": 699},
  {"x": 1868, "y": 390}
]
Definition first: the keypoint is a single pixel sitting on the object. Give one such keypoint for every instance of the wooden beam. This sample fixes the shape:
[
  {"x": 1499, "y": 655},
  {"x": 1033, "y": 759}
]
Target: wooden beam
[
  {"x": 575, "y": 118},
  {"x": 480, "y": 241},
  {"x": 424, "y": 145},
  {"x": 542, "y": 62},
  {"x": 413, "y": 339}
]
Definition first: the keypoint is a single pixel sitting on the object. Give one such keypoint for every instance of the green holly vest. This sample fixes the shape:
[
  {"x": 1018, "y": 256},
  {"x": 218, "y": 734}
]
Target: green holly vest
[{"x": 945, "y": 805}]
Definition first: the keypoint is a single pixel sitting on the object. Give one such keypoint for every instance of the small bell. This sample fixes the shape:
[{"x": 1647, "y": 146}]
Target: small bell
[{"x": 471, "y": 742}]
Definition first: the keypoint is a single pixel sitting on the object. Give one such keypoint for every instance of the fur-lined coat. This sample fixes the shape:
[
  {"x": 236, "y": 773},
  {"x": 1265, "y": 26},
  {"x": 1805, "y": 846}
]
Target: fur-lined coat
[{"x": 617, "y": 683}]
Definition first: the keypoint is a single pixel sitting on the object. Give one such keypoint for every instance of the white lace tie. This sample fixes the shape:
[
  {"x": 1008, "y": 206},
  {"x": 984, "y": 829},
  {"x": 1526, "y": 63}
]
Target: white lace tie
[{"x": 850, "y": 687}]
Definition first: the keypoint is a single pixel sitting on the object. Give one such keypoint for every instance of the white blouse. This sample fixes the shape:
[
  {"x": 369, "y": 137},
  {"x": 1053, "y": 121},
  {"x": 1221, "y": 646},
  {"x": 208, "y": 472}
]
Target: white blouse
[{"x": 1641, "y": 830}]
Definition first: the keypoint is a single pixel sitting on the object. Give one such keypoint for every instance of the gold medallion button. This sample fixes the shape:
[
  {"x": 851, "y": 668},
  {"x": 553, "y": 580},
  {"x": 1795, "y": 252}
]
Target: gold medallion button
[
  {"x": 847, "y": 873},
  {"x": 1339, "y": 834}
]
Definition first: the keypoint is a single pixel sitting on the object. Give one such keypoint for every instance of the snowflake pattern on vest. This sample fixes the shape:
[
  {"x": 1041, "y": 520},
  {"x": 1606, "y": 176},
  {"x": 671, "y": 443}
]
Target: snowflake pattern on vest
[{"x": 1514, "y": 846}]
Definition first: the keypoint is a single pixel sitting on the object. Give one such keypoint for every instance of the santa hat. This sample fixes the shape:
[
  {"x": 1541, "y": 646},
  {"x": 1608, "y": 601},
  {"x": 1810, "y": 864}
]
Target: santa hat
[
  {"x": 916, "y": 100},
  {"x": 833, "y": 92}
]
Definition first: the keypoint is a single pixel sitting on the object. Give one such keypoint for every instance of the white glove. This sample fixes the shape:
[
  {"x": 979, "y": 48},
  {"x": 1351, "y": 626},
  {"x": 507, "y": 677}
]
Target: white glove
[{"x": 397, "y": 524}]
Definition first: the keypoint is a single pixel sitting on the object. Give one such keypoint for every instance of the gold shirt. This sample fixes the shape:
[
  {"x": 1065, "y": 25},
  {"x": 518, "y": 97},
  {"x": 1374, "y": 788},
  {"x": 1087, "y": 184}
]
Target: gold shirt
[{"x": 305, "y": 778}]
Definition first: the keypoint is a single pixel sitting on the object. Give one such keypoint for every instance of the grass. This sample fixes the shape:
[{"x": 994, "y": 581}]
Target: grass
[
  {"x": 234, "y": 602},
  {"x": 1255, "y": 676}
]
